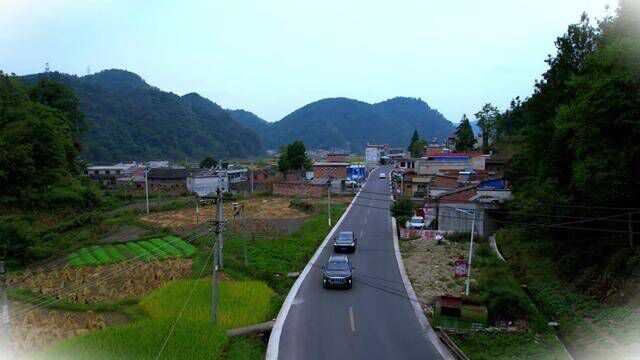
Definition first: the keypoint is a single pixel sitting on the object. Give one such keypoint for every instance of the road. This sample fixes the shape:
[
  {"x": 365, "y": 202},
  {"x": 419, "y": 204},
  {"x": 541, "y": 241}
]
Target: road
[{"x": 373, "y": 320}]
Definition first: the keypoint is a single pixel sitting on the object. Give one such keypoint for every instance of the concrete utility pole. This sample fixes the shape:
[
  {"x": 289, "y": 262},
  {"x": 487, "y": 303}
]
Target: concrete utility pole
[
  {"x": 146, "y": 187},
  {"x": 473, "y": 228},
  {"x": 329, "y": 201},
  {"x": 219, "y": 222},
  {"x": 216, "y": 259},
  {"x": 6, "y": 343},
  {"x": 197, "y": 210}
]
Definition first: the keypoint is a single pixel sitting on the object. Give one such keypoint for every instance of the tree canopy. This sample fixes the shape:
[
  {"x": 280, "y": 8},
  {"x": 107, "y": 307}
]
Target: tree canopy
[
  {"x": 294, "y": 157},
  {"x": 487, "y": 118},
  {"x": 576, "y": 149},
  {"x": 39, "y": 132},
  {"x": 208, "y": 162},
  {"x": 464, "y": 135},
  {"x": 416, "y": 147}
]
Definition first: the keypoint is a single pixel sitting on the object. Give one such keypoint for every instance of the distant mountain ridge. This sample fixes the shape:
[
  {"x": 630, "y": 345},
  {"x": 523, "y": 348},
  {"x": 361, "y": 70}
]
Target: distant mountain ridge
[
  {"x": 131, "y": 120},
  {"x": 349, "y": 124}
]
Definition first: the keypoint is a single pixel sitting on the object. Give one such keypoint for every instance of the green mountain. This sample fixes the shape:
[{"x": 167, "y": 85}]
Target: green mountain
[
  {"x": 250, "y": 120},
  {"x": 349, "y": 124},
  {"x": 131, "y": 120}
]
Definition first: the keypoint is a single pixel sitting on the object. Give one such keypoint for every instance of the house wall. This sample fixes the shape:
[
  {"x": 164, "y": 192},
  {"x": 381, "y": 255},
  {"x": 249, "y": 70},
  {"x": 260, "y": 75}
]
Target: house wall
[
  {"x": 168, "y": 185},
  {"x": 337, "y": 172},
  {"x": 431, "y": 167},
  {"x": 450, "y": 219},
  {"x": 299, "y": 189}
]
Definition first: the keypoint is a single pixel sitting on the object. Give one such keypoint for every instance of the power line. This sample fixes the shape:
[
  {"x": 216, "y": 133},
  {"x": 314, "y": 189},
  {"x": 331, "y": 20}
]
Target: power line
[
  {"x": 44, "y": 300},
  {"x": 195, "y": 284}
]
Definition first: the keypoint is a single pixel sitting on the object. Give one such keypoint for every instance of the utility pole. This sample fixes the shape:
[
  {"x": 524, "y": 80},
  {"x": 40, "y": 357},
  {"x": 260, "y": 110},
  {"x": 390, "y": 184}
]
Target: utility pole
[
  {"x": 216, "y": 258},
  {"x": 251, "y": 174},
  {"x": 6, "y": 343},
  {"x": 219, "y": 222},
  {"x": 473, "y": 228},
  {"x": 146, "y": 187},
  {"x": 197, "y": 210},
  {"x": 329, "y": 201}
]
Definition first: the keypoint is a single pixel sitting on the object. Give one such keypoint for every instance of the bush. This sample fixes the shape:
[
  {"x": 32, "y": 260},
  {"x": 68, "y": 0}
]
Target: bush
[
  {"x": 301, "y": 205},
  {"x": 502, "y": 295},
  {"x": 402, "y": 207}
]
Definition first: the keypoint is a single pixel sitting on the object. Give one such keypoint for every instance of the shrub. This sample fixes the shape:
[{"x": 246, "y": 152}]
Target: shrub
[
  {"x": 301, "y": 205},
  {"x": 402, "y": 207}
]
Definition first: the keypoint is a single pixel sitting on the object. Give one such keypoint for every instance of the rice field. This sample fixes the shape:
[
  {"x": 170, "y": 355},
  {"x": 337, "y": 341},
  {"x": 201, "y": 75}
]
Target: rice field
[
  {"x": 241, "y": 303},
  {"x": 168, "y": 247}
]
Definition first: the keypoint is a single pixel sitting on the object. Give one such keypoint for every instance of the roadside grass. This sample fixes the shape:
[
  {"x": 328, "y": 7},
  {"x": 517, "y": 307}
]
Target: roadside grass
[
  {"x": 152, "y": 249},
  {"x": 585, "y": 324},
  {"x": 506, "y": 301},
  {"x": 240, "y": 304},
  {"x": 245, "y": 348},
  {"x": 496, "y": 345},
  {"x": 272, "y": 256}
]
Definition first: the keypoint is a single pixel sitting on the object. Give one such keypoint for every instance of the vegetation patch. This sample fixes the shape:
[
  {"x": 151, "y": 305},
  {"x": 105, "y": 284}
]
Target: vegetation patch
[
  {"x": 154, "y": 249},
  {"x": 240, "y": 304}
]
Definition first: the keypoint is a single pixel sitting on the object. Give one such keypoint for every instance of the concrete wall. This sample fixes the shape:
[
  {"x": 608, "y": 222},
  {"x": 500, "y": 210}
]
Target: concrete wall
[{"x": 450, "y": 219}]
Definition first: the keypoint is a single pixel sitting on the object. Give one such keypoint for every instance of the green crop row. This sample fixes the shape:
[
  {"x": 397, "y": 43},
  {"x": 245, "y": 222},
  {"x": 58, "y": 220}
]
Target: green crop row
[{"x": 157, "y": 248}]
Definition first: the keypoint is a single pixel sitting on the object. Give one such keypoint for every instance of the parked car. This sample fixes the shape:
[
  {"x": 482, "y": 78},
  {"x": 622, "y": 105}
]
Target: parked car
[
  {"x": 383, "y": 175},
  {"x": 338, "y": 272},
  {"x": 345, "y": 241},
  {"x": 416, "y": 222}
]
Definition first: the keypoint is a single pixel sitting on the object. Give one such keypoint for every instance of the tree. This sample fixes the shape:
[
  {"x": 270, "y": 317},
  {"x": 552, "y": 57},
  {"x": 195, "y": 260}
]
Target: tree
[
  {"x": 417, "y": 148},
  {"x": 487, "y": 118},
  {"x": 464, "y": 135},
  {"x": 415, "y": 137},
  {"x": 208, "y": 162},
  {"x": 293, "y": 157}
]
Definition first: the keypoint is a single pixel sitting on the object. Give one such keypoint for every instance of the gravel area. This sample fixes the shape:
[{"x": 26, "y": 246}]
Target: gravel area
[{"x": 430, "y": 268}]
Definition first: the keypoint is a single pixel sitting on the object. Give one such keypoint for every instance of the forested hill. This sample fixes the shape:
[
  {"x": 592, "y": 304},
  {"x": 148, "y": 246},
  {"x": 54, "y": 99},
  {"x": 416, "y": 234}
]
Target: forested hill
[
  {"x": 349, "y": 124},
  {"x": 130, "y": 120}
]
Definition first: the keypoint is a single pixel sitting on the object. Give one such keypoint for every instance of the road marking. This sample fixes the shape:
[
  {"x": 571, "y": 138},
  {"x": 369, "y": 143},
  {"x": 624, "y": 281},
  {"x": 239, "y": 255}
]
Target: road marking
[
  {"x": 368, "y": 211},
  {"x": 361, "y": 233},
  {"x": 365, "y": 220},
  {"x": 353, "y": 322}
]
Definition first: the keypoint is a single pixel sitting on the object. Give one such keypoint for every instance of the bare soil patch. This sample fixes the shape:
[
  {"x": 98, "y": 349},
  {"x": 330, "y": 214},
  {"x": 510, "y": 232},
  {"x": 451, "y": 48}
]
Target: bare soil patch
[
  {"x": 254, "y": 208},
  {"x": 90, "y": 285},
  {"x": 430, "y": 268}
]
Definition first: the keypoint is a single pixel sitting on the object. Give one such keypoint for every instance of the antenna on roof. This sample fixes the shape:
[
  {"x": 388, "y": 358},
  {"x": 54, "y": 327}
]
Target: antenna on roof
[{"x": 46, "y": 67}]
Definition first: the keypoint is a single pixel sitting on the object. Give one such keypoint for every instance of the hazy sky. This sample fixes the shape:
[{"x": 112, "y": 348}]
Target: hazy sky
[{"x": 271, "y": 57}]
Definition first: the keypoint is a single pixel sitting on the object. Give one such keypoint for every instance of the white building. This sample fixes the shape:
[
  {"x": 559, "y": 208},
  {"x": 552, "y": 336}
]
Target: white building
[{"x": 206, "y": 184}]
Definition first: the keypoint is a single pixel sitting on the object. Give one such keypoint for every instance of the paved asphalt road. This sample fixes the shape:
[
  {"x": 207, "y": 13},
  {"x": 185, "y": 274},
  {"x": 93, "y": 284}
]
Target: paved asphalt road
[{"x": 369, "y": 321}]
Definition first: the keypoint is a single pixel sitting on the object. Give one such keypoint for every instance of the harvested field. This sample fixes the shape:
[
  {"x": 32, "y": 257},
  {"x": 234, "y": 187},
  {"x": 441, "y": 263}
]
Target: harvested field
[
  {"x": 255, "y": 208},
  {"x": 95, "y": 284},
  {"x": 430, "y": 267},
  {"x": 40, "y": 328}
]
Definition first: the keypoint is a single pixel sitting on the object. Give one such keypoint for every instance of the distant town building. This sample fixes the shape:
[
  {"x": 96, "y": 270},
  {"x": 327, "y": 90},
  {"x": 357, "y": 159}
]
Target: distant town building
[{"x": 373, "y": 154}]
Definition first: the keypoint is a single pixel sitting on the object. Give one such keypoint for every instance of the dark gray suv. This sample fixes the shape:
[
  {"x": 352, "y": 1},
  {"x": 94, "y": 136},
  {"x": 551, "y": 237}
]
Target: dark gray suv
[
  {"x": 345, "y": 242},
  {"x": 338, "y": 272}
]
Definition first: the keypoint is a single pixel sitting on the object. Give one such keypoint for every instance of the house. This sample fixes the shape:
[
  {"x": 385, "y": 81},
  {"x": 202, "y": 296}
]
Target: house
[
  {"x": 457, "y": 208},
  {"x": 134, "y": 180},
  {"x": 373, "y": 154},
  {"x": 336, "y": 170},
  {"x": 396, "y": 153},
  {"x": 433, "y": 148},
  {"x": 107, "y": 174},
  {"x": 336, "y": 157},
  {"x": 157, "y": 164},
  {"x": 234, "y": 174},
  {"x": 260, "y": 176},
  {"x": 206, "y": 183},
  {"x": 496, "y": 163},
  {"x": 168, "y": 179},
  {"x": 405, "y": 163}
]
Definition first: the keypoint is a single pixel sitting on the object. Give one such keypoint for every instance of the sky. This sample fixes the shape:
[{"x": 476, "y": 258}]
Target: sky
[{"x": 272, "y": 57}]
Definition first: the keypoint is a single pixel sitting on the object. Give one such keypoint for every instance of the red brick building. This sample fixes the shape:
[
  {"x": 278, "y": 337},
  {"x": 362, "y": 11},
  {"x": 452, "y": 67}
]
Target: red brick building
[
  {"x": 300, "y": 188},
  {"x": 324, "y": 170}
]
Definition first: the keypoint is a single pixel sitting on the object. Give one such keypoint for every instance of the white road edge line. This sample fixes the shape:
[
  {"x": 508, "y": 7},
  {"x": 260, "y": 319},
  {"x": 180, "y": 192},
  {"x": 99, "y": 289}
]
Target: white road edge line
[
  {"x": 274, "y": 340},
  {"x": 353, "y": 322},
  {"x": 428, "y": 332}
]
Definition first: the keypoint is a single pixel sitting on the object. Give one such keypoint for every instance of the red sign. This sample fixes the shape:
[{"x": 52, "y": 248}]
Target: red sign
[{"x": 460, "y": 268}]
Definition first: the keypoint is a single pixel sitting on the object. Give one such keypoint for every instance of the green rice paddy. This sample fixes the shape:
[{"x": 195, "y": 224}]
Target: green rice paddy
[{"x": 167, "y": 247}]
